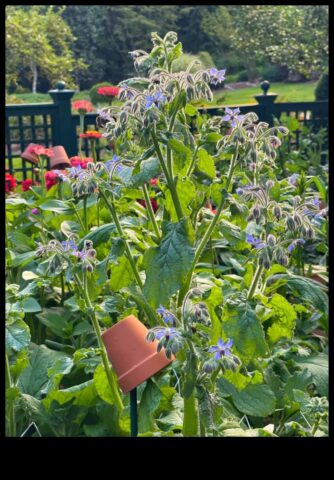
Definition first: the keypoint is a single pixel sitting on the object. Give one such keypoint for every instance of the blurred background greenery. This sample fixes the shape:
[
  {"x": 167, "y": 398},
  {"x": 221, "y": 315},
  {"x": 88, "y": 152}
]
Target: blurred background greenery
[{"x": 88, "y": 44}]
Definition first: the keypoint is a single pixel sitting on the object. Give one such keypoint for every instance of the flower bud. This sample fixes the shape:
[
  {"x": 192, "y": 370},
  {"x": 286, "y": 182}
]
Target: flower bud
[
  {"x": 277, "y": 212},
  {"x": 252, "y": 167},
  {"x": 190, "y": 79},
  {"x": 88, "y": 267},
  {"x": 123, "y": 117},
  {"x": 253, "y": 155},
  {"x": 256, "y": 212},
  {"x": 296, "y": 200},
  {"x": 297, "y": 218},
  {"x": 270, "y": 184},
  {"x": 310, "y": 232},
  {"x": 271, "y": 240},
  {"x": 283, "y": 261},
  {"x": 190, "y": 91},
  {"x": 290, "y": 224},
  {"x": 273, "y": 154}
]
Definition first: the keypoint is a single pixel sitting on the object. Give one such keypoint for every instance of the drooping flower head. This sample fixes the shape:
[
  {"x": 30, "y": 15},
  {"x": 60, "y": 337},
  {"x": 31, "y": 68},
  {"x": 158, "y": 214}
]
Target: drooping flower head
[
  {"x": 166, "y": 315},
  {"x": 10, "y": 183},
  {"x": 216, "y": 76},
  {"x": 255, "y": 242},
  {"x": 157, "y": 99},
  {"x": 221, "y": 349},
  {"x": 83, "y": 106},
  {"x": 232, "y": 115}
]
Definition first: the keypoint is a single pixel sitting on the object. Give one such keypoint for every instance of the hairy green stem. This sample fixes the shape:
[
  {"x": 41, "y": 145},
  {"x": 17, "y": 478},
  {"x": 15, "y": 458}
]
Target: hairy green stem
[
  {"x": 255, "y": 281},
  {"x": 150, "y": 211},
  {"x": 41, "y": 173},
  {"x": 169, "y": 179},
  {"x": 192, "y": 163},
  {"x": 113, "y": 212},
  {"x": 82, "y": 128},
  {"x": 112, "y": 380},
  {"x": 11, "y": 413},
  {"x": 85, "y": 214},
  {"x": 190, "y": 418},
  {"x": 78, "y": 216},
  {"x": 206, "y": 235},
  {"x": 93, "y": 149}
]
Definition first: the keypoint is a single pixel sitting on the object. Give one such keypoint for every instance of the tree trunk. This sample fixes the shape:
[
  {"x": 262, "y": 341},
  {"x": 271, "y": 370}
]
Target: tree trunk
[{"x": 34, "y": 77}]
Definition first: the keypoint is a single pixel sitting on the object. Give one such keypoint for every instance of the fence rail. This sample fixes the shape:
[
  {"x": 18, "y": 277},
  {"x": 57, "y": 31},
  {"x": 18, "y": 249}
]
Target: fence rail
[{"x": 53, "y": 124}]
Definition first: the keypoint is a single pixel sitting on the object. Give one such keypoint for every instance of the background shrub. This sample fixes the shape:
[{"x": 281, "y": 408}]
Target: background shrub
[{"x": 321, "y": 90}]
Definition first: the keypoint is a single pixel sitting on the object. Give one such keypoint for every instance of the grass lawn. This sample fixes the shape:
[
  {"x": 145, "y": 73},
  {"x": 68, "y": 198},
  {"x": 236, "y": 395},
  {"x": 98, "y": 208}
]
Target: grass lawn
[{"x": 287, "y": 92}]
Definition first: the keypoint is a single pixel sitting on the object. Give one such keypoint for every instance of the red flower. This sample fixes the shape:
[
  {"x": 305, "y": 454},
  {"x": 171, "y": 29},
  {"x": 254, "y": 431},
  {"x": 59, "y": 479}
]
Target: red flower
[
  {"x": 26, "y": 184},
  {"x": 76, "y": 161},
  {"x": 154, "y": 181},
  {"x": 108, "y": 91},
  {"x": 154, "y": 204},
  {"x": 91, "y": 134},
  {"x": 83, "y": 106},
  {"x": 10, "y": 182},
  {"x": 40, "y": 150},
  {"x": 51, "y": 177}
]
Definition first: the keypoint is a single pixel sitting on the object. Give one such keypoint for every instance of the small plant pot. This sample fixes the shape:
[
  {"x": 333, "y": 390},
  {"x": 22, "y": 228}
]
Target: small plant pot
[
  {"x": 28, "y": 155},
  {"x": 60, "y": 159},
  {"x": 133, "y": 358}
]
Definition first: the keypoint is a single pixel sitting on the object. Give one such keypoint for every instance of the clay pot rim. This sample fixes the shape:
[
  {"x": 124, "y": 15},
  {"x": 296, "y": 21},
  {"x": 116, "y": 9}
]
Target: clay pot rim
[{"x": 118, "y": 323}]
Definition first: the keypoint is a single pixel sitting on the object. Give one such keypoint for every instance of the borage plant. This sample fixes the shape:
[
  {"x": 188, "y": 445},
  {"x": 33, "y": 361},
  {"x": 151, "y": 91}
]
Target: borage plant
[{"x": 205, "y": 242}]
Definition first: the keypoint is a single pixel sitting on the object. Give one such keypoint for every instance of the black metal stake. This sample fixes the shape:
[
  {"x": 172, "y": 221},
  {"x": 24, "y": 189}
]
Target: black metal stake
[{"x": 133, "y": 413}]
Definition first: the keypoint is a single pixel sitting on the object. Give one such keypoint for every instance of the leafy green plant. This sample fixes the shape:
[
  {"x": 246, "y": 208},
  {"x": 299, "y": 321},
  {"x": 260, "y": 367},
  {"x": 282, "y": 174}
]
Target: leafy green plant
[{"x": 194, "y": 235}]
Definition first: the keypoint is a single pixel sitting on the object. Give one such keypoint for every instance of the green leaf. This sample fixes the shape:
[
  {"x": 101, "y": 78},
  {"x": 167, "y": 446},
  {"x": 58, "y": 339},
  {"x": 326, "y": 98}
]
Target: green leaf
[
  {"x": 213, "y": 302},
  {"x": 317, "y": 365},
  {"x": 305, "y": 289},
  {"x": 57, "y": 206},
  {"x": 22, "y": 259},
  {"x": 20, "y": 365},
  {"x": 35, "y": 377},
  {"x": 175, "y": 52},
  {"x": 144, "y": 172},
  {"x": 205, "y": 163},
  {"x": 30, "y": 304},
  {"x": 213, "y": 137},
  {"x": 121, "y": 275},
  {"x": 59, "y": 368},
  {"x": 299, "y": 381},
  {"x": 84, "y": 394},
  {"x": 244, "y": 328},
  {"x": 181, "y": 157},
  {"x": 149, "y": 402},
  {"x": 17, "y": 335},
  {"x": 58, "y": 320},
  {"x": 102, "y": 385},
  {"x": 284, "y": 320},
  {"x": 168, "y": 264},
  {"x": 190, "y": 110},
  {"x": 99, "y": 235},
  {"x": 256, "y": 400}
]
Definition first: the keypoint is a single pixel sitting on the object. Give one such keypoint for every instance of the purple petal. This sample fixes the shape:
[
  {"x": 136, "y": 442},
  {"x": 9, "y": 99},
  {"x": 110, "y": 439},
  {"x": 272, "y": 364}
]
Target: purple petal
[
  {"x": 229, "y": 344},
  {"x": 213, "y": 348},
  {"x": 217, "y": 356},
  {"x": 221, "y": 343}
]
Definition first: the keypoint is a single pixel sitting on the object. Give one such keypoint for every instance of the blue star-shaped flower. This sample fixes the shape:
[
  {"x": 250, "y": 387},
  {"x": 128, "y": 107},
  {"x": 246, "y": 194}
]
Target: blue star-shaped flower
[
  {"x": 232, "y": 115},
  {"x": 216, "y": 76},
  {"x": 222, "y": 349}
]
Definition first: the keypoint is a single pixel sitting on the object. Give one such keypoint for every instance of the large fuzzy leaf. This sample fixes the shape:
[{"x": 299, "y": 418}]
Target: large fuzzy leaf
[
  {"x": 317, "y": 365},
  {"x": 167, "y": 265},
  {"x": 284, "y": 318},
  {"x": 143, "y": 173},
  {"x": 149, "y": 402},
  {"x": 17, "y": 335},
  {"x": 244, "y": 328}
]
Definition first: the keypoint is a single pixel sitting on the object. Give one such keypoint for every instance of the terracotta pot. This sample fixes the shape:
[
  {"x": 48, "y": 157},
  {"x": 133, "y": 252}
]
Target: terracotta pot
[
  {"x": 60, "y": 159},
  {"x": 28, "y": 155},
  {"x": 133, "y": 358}
]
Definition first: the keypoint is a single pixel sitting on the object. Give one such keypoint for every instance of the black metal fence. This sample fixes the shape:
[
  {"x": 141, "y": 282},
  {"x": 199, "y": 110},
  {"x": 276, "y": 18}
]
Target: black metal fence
[{"x": 52, "y": 124}]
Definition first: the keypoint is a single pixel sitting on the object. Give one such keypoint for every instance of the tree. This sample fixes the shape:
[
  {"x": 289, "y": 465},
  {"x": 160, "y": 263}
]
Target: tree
[
  {"x": 38, "y": 41},
  {"x": 292, "y": 36}
]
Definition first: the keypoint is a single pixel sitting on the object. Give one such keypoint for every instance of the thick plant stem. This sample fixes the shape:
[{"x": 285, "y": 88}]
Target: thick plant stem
[
  {"x": 93, "y": 149},
  {"x": 255, "y": 281},
  {"x": 112, "y": 210},
  {"x": 78, "y": 216},
  {"x": 97, "y": 211},
  {"x": 85, "y": 214},
  {"x": 11, "y": 413},
  {"x": 169, "y": 179},
  {"x": 190, "y": 418},
  {"x": 82, "y": 127},
  {"x": 191, "y": 166},
  {"x": 205, "y": 238},
  {"x": 110, "y": 374},
  {"x": 150, "y": 211},
  {"x": 41, "y": 172}
]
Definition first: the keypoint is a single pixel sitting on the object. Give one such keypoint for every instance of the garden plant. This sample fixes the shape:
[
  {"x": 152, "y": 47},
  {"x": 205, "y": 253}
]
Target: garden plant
[{"x": 192, "y": 227}]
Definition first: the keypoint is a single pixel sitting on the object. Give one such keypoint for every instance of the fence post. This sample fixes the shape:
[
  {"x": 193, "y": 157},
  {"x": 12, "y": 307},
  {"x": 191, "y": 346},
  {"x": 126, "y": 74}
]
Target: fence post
[
  {"x": 266, "y": 100},
  {"x": 64, "y": 133}
]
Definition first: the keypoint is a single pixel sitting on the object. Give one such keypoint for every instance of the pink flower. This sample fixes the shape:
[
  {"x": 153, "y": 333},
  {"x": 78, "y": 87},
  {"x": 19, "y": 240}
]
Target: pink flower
[
  {"x": 108, "y": 91},
  {"x": 10, "y": 182},
  {"x": 52, "y": 176},
  {"x": 83, "y": 106},
  {"x": 26, "y": 184},
  {"x": 40, "y": 150},
  {"x": 82, "y": 162},
  {"x": 91, "y": 134}
]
